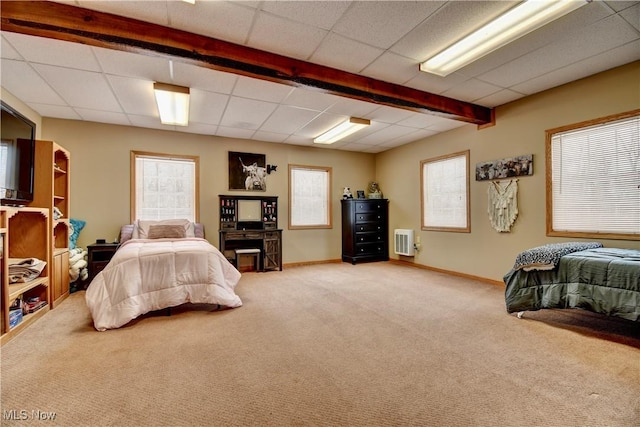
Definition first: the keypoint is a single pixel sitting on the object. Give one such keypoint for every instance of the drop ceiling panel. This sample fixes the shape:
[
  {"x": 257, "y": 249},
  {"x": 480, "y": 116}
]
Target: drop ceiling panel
[
  {"x": 149, "y": 11},
  {"x": 337, "y": 51},
  {"x": 207, "y": 107},
  {"x": 315, "y": 13},
  {"x": 48, "y": 51},
  {"x": 204, "y": 78},
  {"x": 74, "y": 85},
  {"x": 246, "y": 113},
  {"x": 134, "y": 95},
  {"x": 287, "y": 120},
  {"x": 310, "y": 99},
  {"x": 382, "y": 23},
  {"x": 261, "y": 90},
  {"x": 57, "y": 111},
  {"x": 101, "y": 117},
  {"x": 224, "y": 20},
  {"x": 292, "y": 39},
  {"x": 390, "y": 67},
  {"x": 14, "y": 76},
  {"x": 128, "y": 64}
]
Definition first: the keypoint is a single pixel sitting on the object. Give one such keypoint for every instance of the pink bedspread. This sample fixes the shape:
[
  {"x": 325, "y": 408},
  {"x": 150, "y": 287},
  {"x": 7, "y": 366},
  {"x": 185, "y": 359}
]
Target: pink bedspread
[{"x": 146, "y": 275}]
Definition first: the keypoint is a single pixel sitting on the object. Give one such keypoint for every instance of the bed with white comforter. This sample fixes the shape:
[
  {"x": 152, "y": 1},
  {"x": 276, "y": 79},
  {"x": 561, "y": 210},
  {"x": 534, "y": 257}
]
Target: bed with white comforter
[{"x": 151, "y": 274}]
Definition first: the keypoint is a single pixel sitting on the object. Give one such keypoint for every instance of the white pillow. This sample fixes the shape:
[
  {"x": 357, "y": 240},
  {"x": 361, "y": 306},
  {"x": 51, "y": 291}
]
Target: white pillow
[{"x": 141, "y": 227}]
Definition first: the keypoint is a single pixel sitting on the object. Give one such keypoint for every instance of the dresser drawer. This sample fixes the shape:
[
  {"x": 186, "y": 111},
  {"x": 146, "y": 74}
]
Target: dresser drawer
[
  {"x": 368, "y": 227},
  {"x": 369, "y": 237},
  {"x": 369, "y": 217},
  {"x": 370, "y": 248},
  {"x": 370, "y": 207}
]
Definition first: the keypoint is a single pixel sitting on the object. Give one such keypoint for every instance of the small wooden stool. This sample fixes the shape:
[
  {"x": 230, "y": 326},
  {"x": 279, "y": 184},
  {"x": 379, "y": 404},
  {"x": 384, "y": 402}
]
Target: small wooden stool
[{"x": 253, "y": 252}]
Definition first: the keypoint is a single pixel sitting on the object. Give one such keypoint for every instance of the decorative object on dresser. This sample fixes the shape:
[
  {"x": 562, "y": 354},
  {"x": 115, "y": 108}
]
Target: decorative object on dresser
[
  {"x": 251, "y": 222},
  {"x": 365, "y": 230}
]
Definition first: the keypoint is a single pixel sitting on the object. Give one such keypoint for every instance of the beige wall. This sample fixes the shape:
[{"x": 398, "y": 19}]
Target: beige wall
[
  {"x": 100, "y": 174},
  {"x": 100, "y": 156},
  {"x": 520, "y": 129}
]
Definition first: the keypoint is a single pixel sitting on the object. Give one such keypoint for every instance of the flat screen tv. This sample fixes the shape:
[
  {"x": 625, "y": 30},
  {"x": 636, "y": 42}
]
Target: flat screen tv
[{"x": 17, "y": 156}]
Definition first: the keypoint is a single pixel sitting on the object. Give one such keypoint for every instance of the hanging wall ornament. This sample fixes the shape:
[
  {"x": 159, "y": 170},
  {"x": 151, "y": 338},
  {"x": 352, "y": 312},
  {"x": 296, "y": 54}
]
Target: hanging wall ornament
[{"x": 503, "y": 204}]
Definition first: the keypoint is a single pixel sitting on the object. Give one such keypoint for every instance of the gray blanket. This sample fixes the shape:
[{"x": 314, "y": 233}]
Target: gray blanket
[{"x": 603, "y": 280}]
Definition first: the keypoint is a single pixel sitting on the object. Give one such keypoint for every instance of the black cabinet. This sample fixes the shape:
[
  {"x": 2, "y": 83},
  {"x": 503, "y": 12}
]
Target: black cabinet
[
  {"x": 99, "y": 255},
  {"x": 365, "y": 230}
]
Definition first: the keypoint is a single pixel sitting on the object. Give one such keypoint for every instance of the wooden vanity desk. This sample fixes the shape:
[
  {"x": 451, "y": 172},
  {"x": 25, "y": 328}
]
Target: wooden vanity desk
[{"x": 251, "y": 222}]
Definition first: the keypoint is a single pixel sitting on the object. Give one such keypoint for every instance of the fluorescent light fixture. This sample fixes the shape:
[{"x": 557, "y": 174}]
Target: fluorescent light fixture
[
  {"x": 343, "y": 130},
  {"x": 522, "y": 19},
  {"x": 173, "y": 103}
]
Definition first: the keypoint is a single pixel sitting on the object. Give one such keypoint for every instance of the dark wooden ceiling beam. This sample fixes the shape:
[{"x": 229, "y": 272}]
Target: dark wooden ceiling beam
[{"x": 74, "y": 24}]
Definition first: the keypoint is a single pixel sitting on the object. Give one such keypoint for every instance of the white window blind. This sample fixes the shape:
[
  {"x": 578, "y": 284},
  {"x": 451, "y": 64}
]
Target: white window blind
[
  {"x": 595, "y": 178},
  {"x": 165, "y": 188},
  {"x": 310, "y": 193},
  {"x": 445, "y": 193}
]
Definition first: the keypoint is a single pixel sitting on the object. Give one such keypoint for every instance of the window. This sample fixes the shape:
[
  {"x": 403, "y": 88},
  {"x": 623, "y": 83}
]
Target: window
[
  {"x": 593, "y": 178},
  {"x": 309, "y": 197},
  {"x": 445, "y": 193},
  {"x": 164, "y": 186}
]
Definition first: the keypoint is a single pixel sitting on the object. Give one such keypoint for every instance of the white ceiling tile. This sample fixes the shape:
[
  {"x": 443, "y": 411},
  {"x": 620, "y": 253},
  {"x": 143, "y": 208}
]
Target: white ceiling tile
[
  {"x": 134, "y": 95},
  {"x": 387, "y": 134},
  {"x": 471, "y": 90},
  {"x": 499, "y": 98},
  {"x": 234, "y": 132},
  {"x": 218, "y": 19},
  {"x": 6, "y": 50},
  {"x": 127, "y": 64},
  {"x": 80, "y": 88},
  {"x": 419, "y": 121},
  {"x": 435, "y": 84},
  {"x": 270, "y": 136},
  {"x": 103, "y": 117},
  {"x": 342, "y": 53},
  {"x": 620, "y": 56},
  {"x": 15, "y": 73},
  {"x": 206, "y": 107},
  {"x": 389, "y": 114},
  {"x": 352, "y": 108},
  {"x": 390, "y": 67},
  {"x": 204, "y": 78},
  {"x": 310, "y": 99},
  {"x": 382, "y": 23},
  {"x": 261, "y": 90},
  {"x": 149, "y": 122},
  {"x": 246, "y": 113},
  {"x": 55, "y": 52},
  {"x": 288, "y": 120},
  {"x": 320, "y": 124},
  {"x": 198, "y": 128},
  {"x": 292, "y": 39},
  {"x": 320, "y": 14},
  {"x": 632, "y": 15},
  {"x": 591, "y": 40},
  {"x": 57, "y": 111}
]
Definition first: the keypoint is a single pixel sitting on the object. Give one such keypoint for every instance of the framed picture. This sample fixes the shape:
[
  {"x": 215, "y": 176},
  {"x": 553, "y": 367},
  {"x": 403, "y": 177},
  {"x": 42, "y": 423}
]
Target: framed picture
[
  {"x": 247, "y": 171},
  {"x": 361, "y": 194},
  {"x": 505, "y": 168}
]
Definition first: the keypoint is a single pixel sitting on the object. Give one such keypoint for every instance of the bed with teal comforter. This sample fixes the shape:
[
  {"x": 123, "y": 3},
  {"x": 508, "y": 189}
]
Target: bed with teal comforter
[{"x": 576, "y": 275}]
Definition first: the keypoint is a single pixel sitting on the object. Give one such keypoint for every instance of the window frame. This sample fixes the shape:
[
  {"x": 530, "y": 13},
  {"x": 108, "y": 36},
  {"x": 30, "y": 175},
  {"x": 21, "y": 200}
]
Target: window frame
[
  {"x": 549, "y": 133},
  {"x": 136, "y": 154},
  {"x": 423, "y": 196},
  {"x": 329, "y": 171}
]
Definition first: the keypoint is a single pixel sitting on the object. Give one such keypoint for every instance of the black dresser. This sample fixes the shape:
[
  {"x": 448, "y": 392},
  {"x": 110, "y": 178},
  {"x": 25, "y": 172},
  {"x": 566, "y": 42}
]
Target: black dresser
[{"x": 365, "y": 230}]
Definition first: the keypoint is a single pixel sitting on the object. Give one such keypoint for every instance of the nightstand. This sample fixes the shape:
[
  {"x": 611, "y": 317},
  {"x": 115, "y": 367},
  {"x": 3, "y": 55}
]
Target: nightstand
[{"x": 98, "y": 256}]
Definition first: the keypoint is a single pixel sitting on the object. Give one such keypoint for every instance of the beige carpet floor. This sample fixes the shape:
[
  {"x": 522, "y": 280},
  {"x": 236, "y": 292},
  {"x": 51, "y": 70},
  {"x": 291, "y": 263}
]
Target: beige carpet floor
[{"x": 375, "y": 344}]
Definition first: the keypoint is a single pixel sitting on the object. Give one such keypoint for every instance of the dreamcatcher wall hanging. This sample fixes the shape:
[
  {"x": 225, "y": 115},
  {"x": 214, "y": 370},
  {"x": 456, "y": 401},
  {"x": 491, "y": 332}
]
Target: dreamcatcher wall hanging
[{"x": 503, "y": 204}]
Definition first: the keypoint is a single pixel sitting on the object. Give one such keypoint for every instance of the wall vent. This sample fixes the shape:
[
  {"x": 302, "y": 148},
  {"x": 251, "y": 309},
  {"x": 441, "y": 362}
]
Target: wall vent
[{"x": 403, "y": 242}]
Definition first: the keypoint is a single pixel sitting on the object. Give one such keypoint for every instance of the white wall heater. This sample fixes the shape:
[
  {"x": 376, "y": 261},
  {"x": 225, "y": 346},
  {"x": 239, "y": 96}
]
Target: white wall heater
[{"x": 403, "y": 242}]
